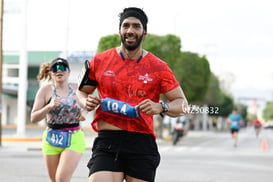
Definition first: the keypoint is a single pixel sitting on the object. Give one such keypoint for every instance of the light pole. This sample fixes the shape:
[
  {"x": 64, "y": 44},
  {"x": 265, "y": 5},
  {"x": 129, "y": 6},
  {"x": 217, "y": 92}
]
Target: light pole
[
  {"x": 1, "y": 57},
  {"x": 22, "y": 87}
]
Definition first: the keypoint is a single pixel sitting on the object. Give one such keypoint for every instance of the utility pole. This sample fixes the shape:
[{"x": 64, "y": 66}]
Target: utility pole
[
  {"x": 22, "y": 87},
  {"x": 1, "y": 60}
]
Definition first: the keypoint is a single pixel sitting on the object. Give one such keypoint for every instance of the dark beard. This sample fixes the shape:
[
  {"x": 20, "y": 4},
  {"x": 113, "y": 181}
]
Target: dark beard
[{"x": 131, "y": 47}]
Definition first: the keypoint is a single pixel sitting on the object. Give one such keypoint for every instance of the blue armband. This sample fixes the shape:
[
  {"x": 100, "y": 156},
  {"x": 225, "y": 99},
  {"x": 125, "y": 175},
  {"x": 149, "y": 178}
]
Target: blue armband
[{"x": 119, "y": 107}]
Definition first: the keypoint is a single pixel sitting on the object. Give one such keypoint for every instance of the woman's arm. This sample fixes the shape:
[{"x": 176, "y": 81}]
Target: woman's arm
[{"x": 40, "y": 107}]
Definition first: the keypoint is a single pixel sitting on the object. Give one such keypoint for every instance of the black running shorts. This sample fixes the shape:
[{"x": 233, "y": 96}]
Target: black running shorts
[
  {"x": 233, "y": 130},
  {"x": 134, "y": 154}
]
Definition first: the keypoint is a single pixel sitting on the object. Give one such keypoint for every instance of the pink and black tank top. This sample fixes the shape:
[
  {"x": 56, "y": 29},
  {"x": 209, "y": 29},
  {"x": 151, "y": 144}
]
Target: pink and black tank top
[{"x": 64, "y": 116}]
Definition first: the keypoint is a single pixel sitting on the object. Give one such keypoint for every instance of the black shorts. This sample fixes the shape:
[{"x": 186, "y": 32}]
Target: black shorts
[
  {"x": 233, "y": 130},
  {"x": 134, "y": 154}
]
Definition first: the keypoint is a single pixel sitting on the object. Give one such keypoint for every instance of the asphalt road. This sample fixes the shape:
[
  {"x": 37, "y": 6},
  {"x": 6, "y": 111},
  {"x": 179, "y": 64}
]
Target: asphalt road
[{"x": 199, "y": 157}]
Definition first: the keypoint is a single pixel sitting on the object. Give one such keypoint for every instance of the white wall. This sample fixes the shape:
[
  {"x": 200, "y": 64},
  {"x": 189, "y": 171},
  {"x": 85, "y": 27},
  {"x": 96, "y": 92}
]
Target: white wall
[{"x": 9, "y": 111}]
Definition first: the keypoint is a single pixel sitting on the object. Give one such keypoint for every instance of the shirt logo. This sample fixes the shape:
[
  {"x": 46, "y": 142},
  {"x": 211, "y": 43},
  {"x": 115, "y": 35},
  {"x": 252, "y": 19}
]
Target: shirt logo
[
  {"x": 145, "y": 78},
  {"x": 109, "y": 73}
]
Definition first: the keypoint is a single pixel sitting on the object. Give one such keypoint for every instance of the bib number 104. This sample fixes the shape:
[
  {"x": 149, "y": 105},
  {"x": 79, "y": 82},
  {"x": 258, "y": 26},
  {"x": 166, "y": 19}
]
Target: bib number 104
[
  {"x": 114, "y": 107},
  {"x": 119, "y": 107}
]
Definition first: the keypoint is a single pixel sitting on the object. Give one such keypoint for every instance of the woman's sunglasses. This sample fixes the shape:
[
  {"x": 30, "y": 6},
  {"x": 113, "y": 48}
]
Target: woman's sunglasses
[{"x": 56, "y": 67}]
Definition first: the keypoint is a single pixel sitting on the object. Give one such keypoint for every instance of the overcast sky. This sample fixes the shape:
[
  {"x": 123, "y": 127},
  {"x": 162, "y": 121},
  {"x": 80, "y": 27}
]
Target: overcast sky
[{"x": 235, "y": 35}]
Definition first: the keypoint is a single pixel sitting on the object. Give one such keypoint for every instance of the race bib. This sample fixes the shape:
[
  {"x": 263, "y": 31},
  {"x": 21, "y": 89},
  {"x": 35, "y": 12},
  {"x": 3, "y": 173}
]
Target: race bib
[
  {"x": 119, "y": 107},
  {"x": 234, "y": 124},
  {"x": 59, "y": 138}
]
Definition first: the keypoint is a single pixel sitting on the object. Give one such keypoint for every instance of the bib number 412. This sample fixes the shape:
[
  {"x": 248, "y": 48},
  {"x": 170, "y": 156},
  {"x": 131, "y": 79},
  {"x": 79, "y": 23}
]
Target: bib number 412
[{"x": 59, "y": 138}]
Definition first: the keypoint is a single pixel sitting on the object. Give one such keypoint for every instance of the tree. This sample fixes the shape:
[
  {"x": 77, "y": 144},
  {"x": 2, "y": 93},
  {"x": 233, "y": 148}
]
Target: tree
[
  {"x": 214, "y": 94},
  {"x": 225, "y": 108},
  {"x": 108, "y": 42},
  {"x": 193, "y": 73},
  {"x": 242, "y": 109},
  {"x": 167, "y": 47},
  {"x": 268, "y": 111}
]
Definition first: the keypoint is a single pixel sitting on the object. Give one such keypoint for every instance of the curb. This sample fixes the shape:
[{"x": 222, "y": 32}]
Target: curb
[
  {"x": 27, "y": 126},
  {"x": 27, "y": 139},
  {"x": 39, "y": 149},
  {"x": 41, "y": 127},
  {"x": 30, "y": 138}
]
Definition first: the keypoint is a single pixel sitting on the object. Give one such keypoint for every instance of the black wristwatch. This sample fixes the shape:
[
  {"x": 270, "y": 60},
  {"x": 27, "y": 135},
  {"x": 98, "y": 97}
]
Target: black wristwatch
[{"x": 165, "y": 106}]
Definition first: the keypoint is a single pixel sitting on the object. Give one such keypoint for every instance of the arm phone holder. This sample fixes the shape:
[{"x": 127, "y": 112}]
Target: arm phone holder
[{"x": 83, "y": 79}]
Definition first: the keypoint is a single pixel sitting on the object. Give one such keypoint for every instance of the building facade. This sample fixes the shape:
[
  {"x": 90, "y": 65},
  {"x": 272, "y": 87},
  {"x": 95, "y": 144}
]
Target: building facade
[{"x": 10, "y": 79}]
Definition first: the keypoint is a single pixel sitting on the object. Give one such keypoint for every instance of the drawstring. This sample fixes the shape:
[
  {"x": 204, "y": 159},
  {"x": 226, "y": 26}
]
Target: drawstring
[
  {"x": 116, "y": 157},
  {"x": 119, "y": 146}
]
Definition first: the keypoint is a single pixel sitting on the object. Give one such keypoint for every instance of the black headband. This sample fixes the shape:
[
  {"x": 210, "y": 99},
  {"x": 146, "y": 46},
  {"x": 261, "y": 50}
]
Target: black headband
[{"x": 134, "y": 12}]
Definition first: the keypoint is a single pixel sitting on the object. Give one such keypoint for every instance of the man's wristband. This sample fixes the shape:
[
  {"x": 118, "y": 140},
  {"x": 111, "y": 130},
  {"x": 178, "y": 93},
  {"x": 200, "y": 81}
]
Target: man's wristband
[{"x": 165, "y": 106}]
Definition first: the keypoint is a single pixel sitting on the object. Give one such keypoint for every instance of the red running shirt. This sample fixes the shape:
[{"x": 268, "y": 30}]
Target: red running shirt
[{"x": 131, "y": 82}]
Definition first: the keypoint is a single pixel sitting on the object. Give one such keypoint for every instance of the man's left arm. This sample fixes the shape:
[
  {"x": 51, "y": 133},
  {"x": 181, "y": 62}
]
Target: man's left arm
[{"x": 177, "y": 104}]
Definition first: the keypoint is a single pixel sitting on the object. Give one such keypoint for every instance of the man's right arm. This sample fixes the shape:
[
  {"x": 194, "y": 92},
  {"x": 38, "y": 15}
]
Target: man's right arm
[{"x": 87, "y": 100}]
